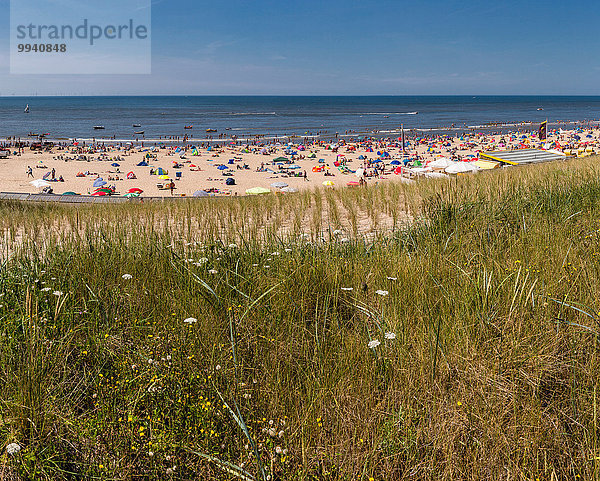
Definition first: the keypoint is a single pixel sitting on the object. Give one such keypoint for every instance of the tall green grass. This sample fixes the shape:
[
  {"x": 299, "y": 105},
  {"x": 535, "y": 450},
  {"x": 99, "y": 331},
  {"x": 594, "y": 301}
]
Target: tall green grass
[{"x": 488, "y": 285}]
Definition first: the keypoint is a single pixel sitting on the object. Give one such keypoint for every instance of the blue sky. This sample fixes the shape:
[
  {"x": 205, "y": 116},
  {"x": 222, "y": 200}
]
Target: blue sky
[{"x": 350, "y": 47}]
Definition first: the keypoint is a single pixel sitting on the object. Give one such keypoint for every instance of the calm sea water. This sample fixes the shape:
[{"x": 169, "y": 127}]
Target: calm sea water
[{"x": 245, "y": 117}]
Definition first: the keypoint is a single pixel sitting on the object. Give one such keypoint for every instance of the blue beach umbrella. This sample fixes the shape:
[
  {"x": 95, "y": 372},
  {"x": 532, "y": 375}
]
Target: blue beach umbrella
[
  {"x": 114, "y": 164},
  {"x": 222, "y": 167},
  {"x": 99, "y": 182}
]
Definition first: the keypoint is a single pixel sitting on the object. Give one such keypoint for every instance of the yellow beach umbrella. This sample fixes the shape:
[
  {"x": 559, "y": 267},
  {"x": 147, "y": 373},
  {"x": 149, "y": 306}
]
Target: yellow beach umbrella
[
  {"x": 163, "y": 177},
  {"x": 328, "y": 183}
]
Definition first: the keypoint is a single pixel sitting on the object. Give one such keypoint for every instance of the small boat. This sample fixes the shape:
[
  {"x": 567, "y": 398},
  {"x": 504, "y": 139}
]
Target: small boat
[
  {"x": 211, "y": 130},
  {"x": 540, "y": 108},
  {"x": 136, "y": 125},
  {"x": 141, "y": 132},
  {"x": 27, "y": 109},
  {"x": 188, "y": 127},
  {"x": 98, "y": 127}
]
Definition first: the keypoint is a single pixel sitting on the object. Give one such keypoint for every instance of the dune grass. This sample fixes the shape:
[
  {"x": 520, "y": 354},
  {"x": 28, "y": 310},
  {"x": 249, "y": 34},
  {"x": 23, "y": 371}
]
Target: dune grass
[{"x": 229, "y": 339}]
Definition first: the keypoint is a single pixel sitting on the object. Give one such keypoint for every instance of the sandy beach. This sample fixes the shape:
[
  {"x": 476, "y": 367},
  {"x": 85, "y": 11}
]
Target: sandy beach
[{"x": 193, "y": 168}]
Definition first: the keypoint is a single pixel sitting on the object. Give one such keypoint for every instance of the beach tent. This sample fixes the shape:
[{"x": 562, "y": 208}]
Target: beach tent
[
  {"x": 257, "y": 191},
  {"x": 114, "y": 164},
  {"x": 222, "y": 167},
  {"x": 461, "y": 168},
  {"x": 279, "y": 185},
  {"x": 281, "y": 159},
  {"x": 131, "y": 176},
  {"x": 200, "y": 193},
  {"x": 143, "y": 163},
  {"x": 289, "y": 190},
  {"x": 230, "y": 181},
  {"x": 69, "y": 193},
  {"x": 161, "y": 171},
  {"x": 99, "y": 182}
]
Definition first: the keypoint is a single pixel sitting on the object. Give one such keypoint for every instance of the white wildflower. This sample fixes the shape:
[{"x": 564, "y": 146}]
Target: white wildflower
[
  {"x": 212, "y": 271},
  {"x": 347, "y": 288},
  {"x": 266, "y": 267},
  {"x": 278, "y": 450},
  {"x": 203, "y": 260},
  {"x": 274, "y": 253},
  {"x": 392, "y": 278},
  {"x": 390, "y": 335},
  {"x": 57, "y": 293},
  {"x": 190, "y": 320},
  {"x": 373, "y": 344},
  {"x": 382, "y": 293},
  {"x": 46, "y": 289},
  {"x": 13, "y": 448},
  {"x": 218, "y": 367},
  {"x": 288, "y": 249},
  {"x": 126, "y": 276},
  {"x": 338, "y": 232},
  {"x": 344, "y": 239}
]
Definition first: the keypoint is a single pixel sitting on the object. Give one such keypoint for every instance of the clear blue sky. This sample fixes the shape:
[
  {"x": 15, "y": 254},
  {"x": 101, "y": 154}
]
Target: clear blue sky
[{"x": 351, "y": 47}]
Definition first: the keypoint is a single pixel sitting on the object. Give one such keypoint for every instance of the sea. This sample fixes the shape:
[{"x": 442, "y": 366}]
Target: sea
[{"x": 248, "y": 118}]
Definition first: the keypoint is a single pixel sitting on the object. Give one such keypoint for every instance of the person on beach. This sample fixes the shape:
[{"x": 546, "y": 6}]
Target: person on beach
[
  {"x": 172, "y": 186},
  {"x": 53, "y": 173},
  {"x": 29, "y": 171}
]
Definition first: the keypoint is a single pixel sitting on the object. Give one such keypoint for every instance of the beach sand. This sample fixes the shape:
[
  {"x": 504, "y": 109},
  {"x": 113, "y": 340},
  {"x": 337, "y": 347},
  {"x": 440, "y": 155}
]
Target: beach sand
[{"x": 67, "y": 163}]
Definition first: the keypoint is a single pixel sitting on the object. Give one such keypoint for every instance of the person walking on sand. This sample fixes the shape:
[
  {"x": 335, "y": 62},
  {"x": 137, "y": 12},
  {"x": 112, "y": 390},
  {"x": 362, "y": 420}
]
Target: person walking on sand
[
  {"x": 172, "y": 186},
  {"x": 29, "y": 172},
  {"x": 305, "y": 177}
]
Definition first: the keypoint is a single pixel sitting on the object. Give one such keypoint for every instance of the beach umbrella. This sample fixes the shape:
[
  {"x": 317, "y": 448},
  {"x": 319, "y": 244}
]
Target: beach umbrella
[
  {"x": 359, "y": 173},
  {"x": 280, "y": 159},
  {"x": 279, "y": 185},
  {"x": 441, "y": 163},
  {"x": 328, "y": 183},
  {"x": 352, "y": 183},
  {"x": 222, "y": 167},
  {"x": 289, "y": 190},
  {"x": 99, "y": 194},
  {"x": 106, "y": 191},
  {"x": 257, "y": 191},
  {"x": 200, "y": 193},
  {"x": 135, "y": 189},
  {"x": 163, "y": 177},
  {"x": 40, "y": 183},
  {"x": 132, "y": 194},
  {"x": 69, "y": 193},
  {"x": 99, "y": 182},
  {"x": 395, "y": 162},
  {"x": 114, "y": 164}
]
